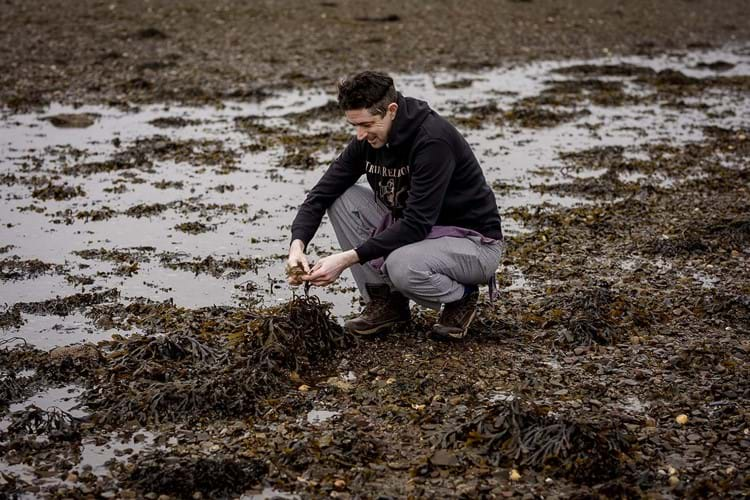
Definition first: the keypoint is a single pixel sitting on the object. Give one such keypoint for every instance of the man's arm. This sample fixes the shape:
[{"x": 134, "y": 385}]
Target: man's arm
[{"x": 342, "y": 174}]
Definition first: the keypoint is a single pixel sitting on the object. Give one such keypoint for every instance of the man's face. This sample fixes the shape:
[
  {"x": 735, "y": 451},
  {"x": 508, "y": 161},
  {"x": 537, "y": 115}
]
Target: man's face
[{"x": 374, "y": 128}]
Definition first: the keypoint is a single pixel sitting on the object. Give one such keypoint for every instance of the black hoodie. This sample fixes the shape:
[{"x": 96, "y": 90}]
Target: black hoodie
[{"x": 426, "y": 175}]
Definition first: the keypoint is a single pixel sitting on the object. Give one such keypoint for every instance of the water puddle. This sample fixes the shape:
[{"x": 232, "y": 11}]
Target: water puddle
[
  {"x": 48, "y": 332},
  {"x": 268, "y": 493},
  {"x": 501, "y": 397},
  {"x": 634, "y": 405},
  {"x": 95, "y": 456},
  {"x": 206, "y": 191},
  {"x": 320, "y": 416}
]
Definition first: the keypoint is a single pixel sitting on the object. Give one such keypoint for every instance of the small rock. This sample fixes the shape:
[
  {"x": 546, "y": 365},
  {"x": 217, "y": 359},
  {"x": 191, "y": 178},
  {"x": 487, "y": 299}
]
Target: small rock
[
  {"x": 72, "y": 477},
  {"x": 681, "y": 419},
  {"x": 339, "y": 484},
  {"x": 72, "y": 120},
  {"x": 339, "y": 384},
  {"x": 674, "y": 480},
  {"x": 444, "y": 458}
]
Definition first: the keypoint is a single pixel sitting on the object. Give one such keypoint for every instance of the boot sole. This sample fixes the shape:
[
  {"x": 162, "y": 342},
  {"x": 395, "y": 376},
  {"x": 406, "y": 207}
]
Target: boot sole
[{"x": 376, "y": 329}]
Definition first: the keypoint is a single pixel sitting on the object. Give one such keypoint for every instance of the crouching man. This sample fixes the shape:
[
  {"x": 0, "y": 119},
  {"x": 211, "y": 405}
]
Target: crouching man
[{"x": 426, "y": 227}]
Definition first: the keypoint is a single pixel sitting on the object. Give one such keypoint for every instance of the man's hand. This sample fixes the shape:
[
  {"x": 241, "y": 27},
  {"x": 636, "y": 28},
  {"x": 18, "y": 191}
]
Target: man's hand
[
  {"x": 328, "y": 269},
  {"x": 297, "y": 259}
]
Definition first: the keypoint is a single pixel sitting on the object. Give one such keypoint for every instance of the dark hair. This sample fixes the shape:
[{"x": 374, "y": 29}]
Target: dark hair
[{"x": 369, "y": 89}]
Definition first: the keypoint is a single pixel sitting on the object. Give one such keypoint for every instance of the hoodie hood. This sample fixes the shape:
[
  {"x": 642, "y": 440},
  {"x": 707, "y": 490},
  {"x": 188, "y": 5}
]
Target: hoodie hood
[{"x": 409, "y": 117}]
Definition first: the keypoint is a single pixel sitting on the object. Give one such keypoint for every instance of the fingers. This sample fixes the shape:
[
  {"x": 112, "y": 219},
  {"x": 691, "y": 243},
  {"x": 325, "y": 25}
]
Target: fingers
[{"x": 319, "y": 276}]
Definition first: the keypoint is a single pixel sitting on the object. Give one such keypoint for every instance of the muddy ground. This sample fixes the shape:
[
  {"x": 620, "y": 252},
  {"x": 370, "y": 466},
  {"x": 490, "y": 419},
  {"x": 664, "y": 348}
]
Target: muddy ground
[
  {"x": 150, "y": 349},
  {"x": 155, "y": 51}
]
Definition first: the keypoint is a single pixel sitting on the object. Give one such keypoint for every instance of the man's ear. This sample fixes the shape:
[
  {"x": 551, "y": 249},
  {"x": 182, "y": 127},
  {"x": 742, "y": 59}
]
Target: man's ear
[{"x": 392, "y": 108}]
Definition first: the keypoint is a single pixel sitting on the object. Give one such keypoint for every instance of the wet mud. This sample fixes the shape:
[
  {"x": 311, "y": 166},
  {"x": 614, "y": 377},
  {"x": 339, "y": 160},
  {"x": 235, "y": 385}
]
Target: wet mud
[{"x": 150, "y": 346}]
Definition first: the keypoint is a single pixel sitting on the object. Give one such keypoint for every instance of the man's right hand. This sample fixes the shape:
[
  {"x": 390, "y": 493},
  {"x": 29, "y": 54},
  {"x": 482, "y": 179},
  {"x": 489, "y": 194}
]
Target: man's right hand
[{"x": 297, "y": 259}]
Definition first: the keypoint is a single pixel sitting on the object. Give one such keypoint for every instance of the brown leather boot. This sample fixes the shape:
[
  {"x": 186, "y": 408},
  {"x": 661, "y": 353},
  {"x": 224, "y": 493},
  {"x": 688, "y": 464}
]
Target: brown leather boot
[
  {"x": 456, "y": 317},
  {"x": 385, "y": 309}
]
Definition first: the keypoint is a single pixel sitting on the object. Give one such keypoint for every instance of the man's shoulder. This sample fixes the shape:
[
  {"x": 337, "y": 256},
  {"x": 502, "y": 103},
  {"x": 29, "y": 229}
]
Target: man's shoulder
[{"x": 437, "y": 128}]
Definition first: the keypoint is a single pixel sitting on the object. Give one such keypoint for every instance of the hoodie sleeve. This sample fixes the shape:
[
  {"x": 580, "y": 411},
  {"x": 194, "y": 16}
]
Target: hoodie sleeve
[
  {"x": 342, "y": 174},
  {"x": 431, "y": 171}
]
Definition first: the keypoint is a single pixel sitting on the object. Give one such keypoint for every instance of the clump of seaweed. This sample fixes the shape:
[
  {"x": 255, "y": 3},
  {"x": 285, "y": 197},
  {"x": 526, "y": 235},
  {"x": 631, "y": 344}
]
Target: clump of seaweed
[
  {"x": 184, "y": 477},
  {"x": 14, "y": 268},
  {"x": 608, "y": 185},
  {"x": 595, "y": 314},
  {"x": 192, "y": 227},
  {"x": 54, "y": 422},
  {"x": 66, "y": 305},
  {"x": 146, "y": 210},
  {"x": 140, "y": 349},
  {"x": 521, "y": 434},
  {"x": 593, "y": 70},
  {"x": 104, "y": 213},
  {"x": 296, "y": 335},
  {"x": 215, "y": 362},
  {"x": 210, "y": 265},
  {"x": 10, "y": 389},
  {"x": 534, "y": 116},
  {"x": 193, "y": 151},
  {"x": 330, "y": 111},
  {"x": 173, "y": 121},
  {"x": 127, "y": 257},
  {"x": 58, "y": 192},
  {"x": 10, "y": 317}
]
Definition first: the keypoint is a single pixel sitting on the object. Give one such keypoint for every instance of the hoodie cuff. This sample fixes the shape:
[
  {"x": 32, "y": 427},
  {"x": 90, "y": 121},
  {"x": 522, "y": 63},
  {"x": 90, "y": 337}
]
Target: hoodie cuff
[{"x": 365, "y": 253}]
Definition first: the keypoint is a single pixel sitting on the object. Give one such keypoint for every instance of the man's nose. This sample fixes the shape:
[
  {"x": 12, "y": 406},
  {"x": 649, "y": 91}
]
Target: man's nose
[{"x": 361, "y": 133}]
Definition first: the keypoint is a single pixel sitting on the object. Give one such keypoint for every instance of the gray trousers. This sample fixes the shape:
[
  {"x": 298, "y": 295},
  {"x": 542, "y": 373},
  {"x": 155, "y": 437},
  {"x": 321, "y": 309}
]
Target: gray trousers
[{"x": 430, "y": 272}]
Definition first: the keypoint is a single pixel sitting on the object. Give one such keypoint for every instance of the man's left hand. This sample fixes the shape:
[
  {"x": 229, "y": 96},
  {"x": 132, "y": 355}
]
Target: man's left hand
[{"x": 328, "y": 269}]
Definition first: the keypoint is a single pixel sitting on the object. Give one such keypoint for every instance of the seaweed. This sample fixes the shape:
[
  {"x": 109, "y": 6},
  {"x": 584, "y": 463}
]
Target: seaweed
[
  {"x": 54, "y": 422},
  {"x": 14, "y": 268},
  {"x": 519, "y": 433},
  {"x": 57, "y": 192},
  {"x": 186, "y": 477},
  {"x": 591, "y": 314},
  {"x": 10, "y": 389},
  {"x": 242, "y": 357},
  {"x": 193, "y": 227},
  {"x": 66, "y": 305}
]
